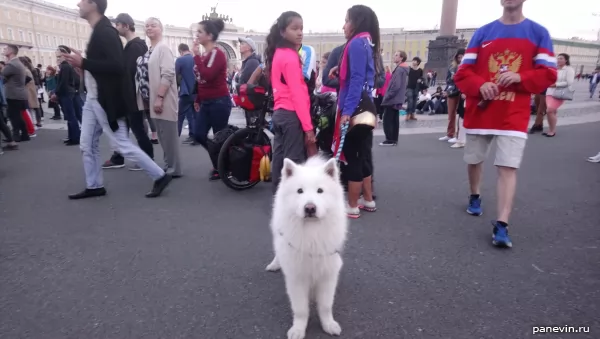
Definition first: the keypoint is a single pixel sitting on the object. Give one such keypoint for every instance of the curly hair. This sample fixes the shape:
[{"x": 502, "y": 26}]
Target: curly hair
[
  {"x": 275, "y": 39},
  {"x": 364, "y": 19}
]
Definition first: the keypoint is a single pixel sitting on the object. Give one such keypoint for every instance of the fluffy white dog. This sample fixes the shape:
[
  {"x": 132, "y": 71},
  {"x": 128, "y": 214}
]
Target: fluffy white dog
[{"x": 309, "y": 230}]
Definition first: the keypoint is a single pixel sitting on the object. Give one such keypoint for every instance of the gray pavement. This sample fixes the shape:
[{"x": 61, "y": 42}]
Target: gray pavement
[{"x": 191, "y": 264}]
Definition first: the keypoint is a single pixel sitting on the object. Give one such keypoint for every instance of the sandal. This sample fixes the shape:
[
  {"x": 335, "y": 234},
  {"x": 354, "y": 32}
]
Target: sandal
[{"x": 548, "y": 135}]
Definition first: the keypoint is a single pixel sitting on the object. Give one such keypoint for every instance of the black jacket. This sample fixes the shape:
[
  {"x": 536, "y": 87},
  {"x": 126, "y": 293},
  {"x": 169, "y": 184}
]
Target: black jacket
[
  {"x": 132, "y": 51},
  {"x": 105, "y": 62},
  {"x": 66, "y": 80}
]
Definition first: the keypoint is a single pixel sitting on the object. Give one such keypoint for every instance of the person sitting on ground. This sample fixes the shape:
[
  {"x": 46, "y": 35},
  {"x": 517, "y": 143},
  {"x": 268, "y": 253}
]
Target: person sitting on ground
[{"x": 424, "y": 103}]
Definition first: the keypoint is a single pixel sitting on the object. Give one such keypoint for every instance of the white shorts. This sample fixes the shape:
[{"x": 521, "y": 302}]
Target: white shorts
[{"x": 509, "y": 149}]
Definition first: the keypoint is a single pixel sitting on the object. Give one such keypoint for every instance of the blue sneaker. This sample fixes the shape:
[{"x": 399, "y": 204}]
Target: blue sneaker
[
  {"x": 500, "y": 236},
  {"x": 474, "y": 206}
]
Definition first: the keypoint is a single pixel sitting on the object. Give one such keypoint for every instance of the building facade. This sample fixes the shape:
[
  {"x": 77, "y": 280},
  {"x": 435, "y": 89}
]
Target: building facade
[{"x": 39, "y": 27}]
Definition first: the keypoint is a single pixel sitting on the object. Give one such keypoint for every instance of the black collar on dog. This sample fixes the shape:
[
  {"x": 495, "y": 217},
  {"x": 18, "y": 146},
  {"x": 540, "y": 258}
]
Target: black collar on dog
[{"x": 308, "y": 254}]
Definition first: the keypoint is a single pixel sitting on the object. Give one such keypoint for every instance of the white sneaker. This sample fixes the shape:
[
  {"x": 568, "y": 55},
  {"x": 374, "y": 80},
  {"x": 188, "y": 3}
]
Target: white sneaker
[
  {"x": 453, "y": 140},
  {"x": 444, "y": 138},
  {"x": 594, "y": 159},
  {"x": 353, "y": 213},
  {"x": 458, "y": 145},
  {"x": 368, "y": 206}
]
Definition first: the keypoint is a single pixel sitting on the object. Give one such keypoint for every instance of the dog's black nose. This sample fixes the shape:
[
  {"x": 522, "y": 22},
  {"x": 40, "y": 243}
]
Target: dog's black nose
[{"x": 310, "y": 210}]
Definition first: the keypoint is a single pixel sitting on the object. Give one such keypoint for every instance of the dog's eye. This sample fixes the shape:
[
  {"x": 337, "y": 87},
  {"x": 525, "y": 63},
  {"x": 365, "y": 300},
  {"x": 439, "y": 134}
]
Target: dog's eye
[
  {"x": 320, "y": 190},
  {"x": 300, "y": 191}
]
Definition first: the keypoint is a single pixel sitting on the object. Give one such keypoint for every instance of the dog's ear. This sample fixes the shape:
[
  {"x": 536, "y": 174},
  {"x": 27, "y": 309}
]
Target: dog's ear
[
  {"x": 289, "y": 167},
  {"x": 331, "y": 168}
]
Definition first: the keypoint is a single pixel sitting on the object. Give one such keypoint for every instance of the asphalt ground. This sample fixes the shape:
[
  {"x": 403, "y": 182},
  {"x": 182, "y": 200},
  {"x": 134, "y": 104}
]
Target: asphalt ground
[{"x": 191, "y": 263}]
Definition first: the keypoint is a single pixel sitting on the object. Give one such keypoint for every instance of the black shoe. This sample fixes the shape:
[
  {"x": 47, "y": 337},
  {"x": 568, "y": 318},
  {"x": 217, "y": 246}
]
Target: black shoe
[
  {"x": 10, "y": 147},
  {"x": 56, "y": 118},
  {"x": 535, "y": 128},
  {"x": 65, "y": 140},
  {"x": 388, "y": 143},
  {"x": 214, "y": 175},
  {"x": 88, "y": 193},
  {"x": 159, "y": 186},
  {"x": 154, "y": 141},
  {"x": 71, "y": 143},
  {"x": 23, "y": 139},
  {"x": 112, "y": 164}
]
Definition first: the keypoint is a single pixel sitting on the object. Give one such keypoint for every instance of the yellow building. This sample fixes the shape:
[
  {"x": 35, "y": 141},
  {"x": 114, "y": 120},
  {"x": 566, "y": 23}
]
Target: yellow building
[{"x": 39, "y": 27}]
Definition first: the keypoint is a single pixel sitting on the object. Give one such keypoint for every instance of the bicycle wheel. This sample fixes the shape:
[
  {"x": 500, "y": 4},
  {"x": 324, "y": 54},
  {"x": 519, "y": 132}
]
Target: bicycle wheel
[{"x": 243, "y": 136}]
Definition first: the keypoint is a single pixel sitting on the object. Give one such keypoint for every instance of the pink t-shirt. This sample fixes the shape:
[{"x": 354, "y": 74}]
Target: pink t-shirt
[{"x": 293, "y": 95}]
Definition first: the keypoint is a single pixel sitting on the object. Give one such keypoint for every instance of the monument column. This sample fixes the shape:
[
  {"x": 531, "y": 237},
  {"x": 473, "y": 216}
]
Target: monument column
[{"x": 445, "y": 45}]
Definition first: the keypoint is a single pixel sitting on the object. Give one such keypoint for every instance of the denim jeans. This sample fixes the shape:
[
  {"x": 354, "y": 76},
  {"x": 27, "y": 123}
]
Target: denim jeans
[
  {"x": 411, "y": 100},
  {"x": 67, "y": 103},
  {"x": 94, "y": 123},
  {"x": 214, "y": 113},
  {"x": 78, "y": 106},
  {"x": 593, "y": 89},
  {"x": 186, "y": 111}
]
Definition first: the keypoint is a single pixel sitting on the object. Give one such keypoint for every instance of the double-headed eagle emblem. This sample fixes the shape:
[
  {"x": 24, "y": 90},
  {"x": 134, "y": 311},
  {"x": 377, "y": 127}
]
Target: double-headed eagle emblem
[{"x": 503, "y": 62}]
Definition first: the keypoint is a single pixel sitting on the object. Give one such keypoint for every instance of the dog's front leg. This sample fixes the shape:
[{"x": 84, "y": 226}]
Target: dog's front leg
[
  {"x": 298, "y": 291},
  {"x": 274, "y": 266},
  {"x": 325, "y": 295}
]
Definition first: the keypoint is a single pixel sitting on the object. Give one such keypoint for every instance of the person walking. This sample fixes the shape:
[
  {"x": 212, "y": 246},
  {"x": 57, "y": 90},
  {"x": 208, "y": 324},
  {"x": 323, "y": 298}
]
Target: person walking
[
  {"x": 134, "y": 48},
  {"x": 394, "y": 99},
  {"x": 213, "y": 102},
  {"x": 188, "y": 89},
  {"x": 16, "y": 94},
  {"x": 505, "y": 62},
  {"x": 555, "y": 95},
  {"x": 106, "y": 81},
  {"x": 157, "y": 92}
]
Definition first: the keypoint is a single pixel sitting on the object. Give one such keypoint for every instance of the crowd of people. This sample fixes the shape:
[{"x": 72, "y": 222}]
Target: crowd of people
[{"x": 116, "y": 88}]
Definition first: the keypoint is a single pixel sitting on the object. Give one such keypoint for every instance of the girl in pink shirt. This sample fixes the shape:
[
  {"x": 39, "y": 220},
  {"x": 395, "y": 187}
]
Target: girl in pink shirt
[{"x": 294, "y": 136}]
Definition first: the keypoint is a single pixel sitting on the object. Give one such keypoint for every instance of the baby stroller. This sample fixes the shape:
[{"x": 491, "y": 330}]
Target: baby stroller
[{"x": 323, "y": 115}]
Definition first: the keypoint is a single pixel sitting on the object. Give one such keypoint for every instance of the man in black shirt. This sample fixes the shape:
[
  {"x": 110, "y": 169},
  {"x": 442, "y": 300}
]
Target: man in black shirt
[
  {"x": 108, "y": 88},
  {"x": 415, "y": 79},
  {"x": 65, "y": 96}
]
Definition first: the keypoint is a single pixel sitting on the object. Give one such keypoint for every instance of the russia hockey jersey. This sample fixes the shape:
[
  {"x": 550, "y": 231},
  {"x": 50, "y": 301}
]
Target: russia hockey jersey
[{"x": 524, "y": 48}]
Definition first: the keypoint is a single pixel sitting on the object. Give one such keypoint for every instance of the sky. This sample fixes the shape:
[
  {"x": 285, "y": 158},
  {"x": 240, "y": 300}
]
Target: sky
[{"x": 563, "y": 18}]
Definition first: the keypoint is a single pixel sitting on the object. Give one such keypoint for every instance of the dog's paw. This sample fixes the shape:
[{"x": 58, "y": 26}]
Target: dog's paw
[
  {"x": 332, "y": 327},
  {"x": 273, "y": 266},
  {"x": 296, "y": 333}
]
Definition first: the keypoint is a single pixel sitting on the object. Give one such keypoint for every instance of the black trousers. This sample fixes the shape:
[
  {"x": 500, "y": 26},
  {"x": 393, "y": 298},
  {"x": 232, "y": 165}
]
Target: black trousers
[
  {"x": 391, "y": 123},
  {"x": 13, "y": 110},
  {"x": 377, "y": 101},
  {"x": 135, "y": 122}
]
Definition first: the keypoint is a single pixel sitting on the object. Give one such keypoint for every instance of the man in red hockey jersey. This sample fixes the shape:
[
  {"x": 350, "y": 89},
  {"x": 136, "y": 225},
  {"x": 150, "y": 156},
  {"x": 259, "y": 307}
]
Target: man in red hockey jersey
[{"x": 505, "y": 62}]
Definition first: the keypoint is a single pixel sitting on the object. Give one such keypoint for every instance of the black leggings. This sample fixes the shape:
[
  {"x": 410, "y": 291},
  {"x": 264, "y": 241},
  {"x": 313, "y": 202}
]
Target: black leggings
[{"x": 357, "y": 151}]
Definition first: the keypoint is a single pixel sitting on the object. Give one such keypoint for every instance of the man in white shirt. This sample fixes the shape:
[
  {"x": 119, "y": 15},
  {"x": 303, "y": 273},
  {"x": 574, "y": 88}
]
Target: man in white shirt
[{"x": 424, "y": 102}]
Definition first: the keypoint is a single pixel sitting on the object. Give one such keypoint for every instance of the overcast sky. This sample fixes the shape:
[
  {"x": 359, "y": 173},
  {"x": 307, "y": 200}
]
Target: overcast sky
[{"x": 564, "y": 18}]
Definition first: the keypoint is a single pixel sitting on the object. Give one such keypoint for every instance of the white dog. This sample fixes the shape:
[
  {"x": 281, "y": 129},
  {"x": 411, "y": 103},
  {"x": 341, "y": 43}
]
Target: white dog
[{"x": 309, "y": 230}]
